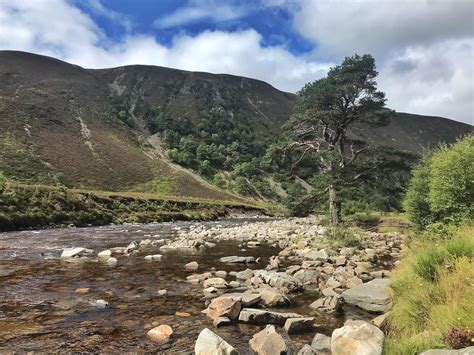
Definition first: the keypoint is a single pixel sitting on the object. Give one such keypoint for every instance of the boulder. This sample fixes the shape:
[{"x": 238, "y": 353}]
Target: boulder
[
  {"x": 221, "y": 273},
  {"x": 216, "y": 282},
  {"x": 307, "y": 276},
  {"x": 357, "y": 338},
  {"x": 162, "y": 293},
  {"x": 280, "y": 280},
  {"x": 321, "y": 344},
  {"x": 261, "y": 316},
  {"x": 224, "y": 307},
  {"x": 237, "y": 259},
  {"x": 160, "y": 334},
  {"x": 268, "y": 342},
  {"x": 131, "y": 247},
  {"x": 299, "y": 325},
  {"x": 353, "y": 281},
  {"x": 272, "y": 297},
  {"x": 192, "y": 266},
  {"x": 112, "y": 262},
  {"x": 317, "y": 255},
  {"x": 99, "y": 303},
  {"x": 327, "y": 304},
  {"x": 209, "y": 343},
  {"x": 246, "y": 299},
  {"x": 105, "y": 254},
  {"x": 75, "y": 252},
  {"x": 245, "y": 274},
  {"x": 372, "y": 296}
]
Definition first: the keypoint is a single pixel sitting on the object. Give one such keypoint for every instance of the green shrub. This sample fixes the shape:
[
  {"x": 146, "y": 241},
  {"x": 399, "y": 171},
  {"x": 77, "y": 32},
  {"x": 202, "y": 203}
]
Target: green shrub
[
  {"x": 451, "y": 183},
  {"x": 442, "y": 186},
  {"x": 416, "y": 201}
]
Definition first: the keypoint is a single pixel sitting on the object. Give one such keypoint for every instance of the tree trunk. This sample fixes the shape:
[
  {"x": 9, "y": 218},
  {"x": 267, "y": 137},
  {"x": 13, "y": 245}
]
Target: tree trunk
[{"x": 334, "y": 207}]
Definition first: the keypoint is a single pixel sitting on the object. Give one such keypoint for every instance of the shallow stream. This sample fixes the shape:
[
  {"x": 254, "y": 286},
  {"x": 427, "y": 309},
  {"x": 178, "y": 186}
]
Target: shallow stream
[{"x": 40, "y": 310}]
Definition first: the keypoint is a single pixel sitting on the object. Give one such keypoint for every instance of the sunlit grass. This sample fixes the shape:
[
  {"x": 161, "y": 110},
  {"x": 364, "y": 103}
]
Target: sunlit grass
[{"x": 433, "y": 290}]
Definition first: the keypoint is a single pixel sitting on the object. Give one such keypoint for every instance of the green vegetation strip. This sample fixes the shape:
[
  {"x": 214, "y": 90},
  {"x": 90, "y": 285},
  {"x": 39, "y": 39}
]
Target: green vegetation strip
[{"x": 24, "y": 206}]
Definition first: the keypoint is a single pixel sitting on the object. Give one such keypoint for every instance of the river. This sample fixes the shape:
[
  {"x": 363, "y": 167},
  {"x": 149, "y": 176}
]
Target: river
[{"x": 41, "y": 311}]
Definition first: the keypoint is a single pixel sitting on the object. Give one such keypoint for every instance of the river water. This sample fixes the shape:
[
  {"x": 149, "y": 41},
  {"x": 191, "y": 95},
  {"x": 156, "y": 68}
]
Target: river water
[{"x": 40, "y": 310}]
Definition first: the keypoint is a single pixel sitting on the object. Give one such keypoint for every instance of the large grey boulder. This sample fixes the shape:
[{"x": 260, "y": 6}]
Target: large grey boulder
[
  {"x": 465, "y": 351},
  {"x": 261, "y": 316},
  {"x": 372, "y": 296},
  {"x": 209, "y": 343},
  {"x": 357, "y": 338}
]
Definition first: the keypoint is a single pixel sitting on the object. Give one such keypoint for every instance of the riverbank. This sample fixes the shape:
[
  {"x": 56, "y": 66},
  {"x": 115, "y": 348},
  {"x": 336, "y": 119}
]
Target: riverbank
[{"x": 27, "y": 207}]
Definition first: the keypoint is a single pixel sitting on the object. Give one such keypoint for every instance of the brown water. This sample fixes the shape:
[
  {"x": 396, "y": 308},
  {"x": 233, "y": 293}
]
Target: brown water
[{"x": 40, "y": 311}]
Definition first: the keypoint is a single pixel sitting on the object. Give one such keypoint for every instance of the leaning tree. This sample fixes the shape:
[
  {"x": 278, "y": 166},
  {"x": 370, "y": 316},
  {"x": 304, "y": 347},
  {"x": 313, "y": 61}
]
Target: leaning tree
[{"x": 325, "y": 115}]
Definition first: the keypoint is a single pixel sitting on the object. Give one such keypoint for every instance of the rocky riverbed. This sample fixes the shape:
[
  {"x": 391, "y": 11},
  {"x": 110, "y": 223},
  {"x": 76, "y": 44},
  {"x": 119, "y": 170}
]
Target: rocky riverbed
[{"x": 240, "y": 285}]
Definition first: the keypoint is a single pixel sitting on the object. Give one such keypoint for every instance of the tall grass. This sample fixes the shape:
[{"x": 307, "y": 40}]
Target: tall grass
[{"x": 433, "y": 290}]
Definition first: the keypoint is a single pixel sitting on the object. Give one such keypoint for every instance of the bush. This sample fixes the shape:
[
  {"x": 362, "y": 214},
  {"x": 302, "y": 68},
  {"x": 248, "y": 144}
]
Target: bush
[
  {"x": 451, "y": 183},
  {"x": 442, "y": 186},
  {"x": 416, "y": 201}
]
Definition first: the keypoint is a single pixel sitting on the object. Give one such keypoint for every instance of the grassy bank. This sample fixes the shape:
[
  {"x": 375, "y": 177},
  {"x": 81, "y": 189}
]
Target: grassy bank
[
  {"x": 433, "y": 293},
  {"x": 25, "y": 206}
]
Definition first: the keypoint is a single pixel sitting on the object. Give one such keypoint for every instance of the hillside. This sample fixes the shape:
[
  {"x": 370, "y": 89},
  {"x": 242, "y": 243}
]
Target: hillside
[{"x": 107, "y": 128}]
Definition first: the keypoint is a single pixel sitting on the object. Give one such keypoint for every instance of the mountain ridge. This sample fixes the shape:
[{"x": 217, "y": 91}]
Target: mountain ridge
[{"x": 61, "y": 123}]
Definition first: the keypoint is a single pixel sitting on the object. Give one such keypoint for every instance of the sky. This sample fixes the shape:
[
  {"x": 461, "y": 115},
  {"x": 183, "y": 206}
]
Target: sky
[{"x": 424, "y": 49}]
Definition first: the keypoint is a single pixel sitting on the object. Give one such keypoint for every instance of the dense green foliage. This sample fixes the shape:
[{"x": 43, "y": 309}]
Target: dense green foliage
[
  {"x": 442, "y": 186},
  {"x": 433, "y": 292},
  {"x": 23, "y": 207},
  {"x": 221, "y": 140}
]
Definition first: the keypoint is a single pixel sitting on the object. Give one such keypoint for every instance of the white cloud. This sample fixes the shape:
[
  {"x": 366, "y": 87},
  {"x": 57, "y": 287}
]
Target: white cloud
[
  {"x": 434, "y": 79},
  {"x": 196, "y": 11},
  {"x": 378, "y": 26},
  {"x": 423, "y": 48},
  {"x": 429, "y": 72},
  {"x": 63, "y": 31}
]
